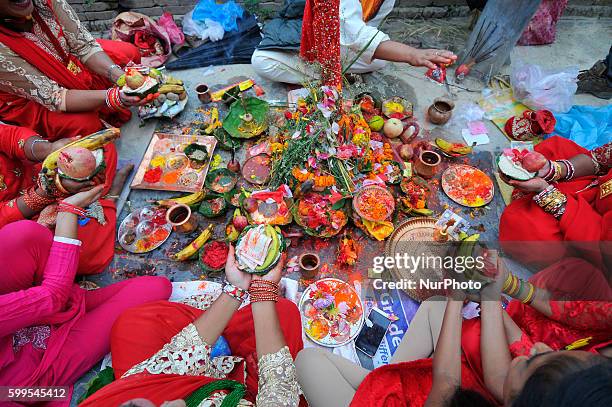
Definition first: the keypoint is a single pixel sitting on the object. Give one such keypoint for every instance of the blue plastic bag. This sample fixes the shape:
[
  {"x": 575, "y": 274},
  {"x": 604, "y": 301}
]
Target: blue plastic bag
[
  {"x": 225, "y": 14},
  {"x": 587, "y": 126},
  {"x": 221, "y": 348}
]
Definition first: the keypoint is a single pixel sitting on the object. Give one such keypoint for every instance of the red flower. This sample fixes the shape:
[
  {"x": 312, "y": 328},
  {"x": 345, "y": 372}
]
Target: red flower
[{"x": 546, "y": 120}]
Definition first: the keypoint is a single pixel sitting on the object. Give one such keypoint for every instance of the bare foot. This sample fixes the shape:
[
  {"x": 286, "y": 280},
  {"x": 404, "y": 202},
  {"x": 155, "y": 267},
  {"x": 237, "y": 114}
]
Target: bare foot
[{"x": 119, "y": 182}]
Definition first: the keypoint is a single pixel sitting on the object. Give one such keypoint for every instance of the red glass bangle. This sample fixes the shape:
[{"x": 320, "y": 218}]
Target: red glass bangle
[{"x": 68, "y": 207}]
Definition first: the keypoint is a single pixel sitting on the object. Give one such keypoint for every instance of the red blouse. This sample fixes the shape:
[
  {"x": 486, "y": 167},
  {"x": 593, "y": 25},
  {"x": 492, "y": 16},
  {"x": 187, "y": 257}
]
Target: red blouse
[{"x": 16, "y": 173}]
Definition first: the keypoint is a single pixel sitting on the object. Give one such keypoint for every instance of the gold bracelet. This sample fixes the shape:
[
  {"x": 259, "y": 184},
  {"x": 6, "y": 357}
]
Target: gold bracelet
[
  {"x": 558, "y": 169},
  {"x": 529, "y": 297},
  {"x": 59, "y": 186},
  {"x": 513, "y": 287},
  {"x": 507, "y": 282}
]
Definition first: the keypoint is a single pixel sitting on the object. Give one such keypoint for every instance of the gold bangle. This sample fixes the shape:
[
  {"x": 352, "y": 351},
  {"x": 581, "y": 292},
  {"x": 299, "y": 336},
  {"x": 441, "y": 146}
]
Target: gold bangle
[
  {"x": 513, "y": 287},
  {"x": 507, "y": 282},
  {"x": 557, "y": 171},
  {"x": 60, "y": 187},
  {"x": 529, "y": 297}
]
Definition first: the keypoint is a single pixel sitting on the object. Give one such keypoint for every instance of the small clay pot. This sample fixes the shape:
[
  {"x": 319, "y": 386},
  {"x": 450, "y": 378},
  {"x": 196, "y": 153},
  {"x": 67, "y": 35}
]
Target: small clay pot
[
  {"x": 309, "y": 264},
  {"x": 440, "y": 111},
  {"x": 203, "y": 93},
  {"x": 181, "y": 218},
  {"x": 427, "y": 164}
]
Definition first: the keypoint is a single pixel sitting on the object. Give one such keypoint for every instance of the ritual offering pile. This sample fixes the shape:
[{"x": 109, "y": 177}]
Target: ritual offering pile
[
  {"x": 324, "y": 176},
  {"x": 164, "y": 95},
  {"x": 333, "y": 312},
  {"x": 259, "y": 248}
]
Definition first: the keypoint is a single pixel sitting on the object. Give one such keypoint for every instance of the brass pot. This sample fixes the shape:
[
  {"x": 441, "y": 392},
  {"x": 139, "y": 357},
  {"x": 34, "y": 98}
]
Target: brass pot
[
  {"x": 181, "y": 218},
  {"x": 441, "y": 110},
  {"x": 309, "y": 264},
  {"x": 426, "y": 165},
  {"x": 203, "y": 93}
]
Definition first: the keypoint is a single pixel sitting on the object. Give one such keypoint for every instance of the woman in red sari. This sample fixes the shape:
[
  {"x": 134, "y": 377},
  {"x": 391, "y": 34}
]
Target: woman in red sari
[
  {"x": 21, "y": 152},
  {"x": 54, "y": 77},
  {"x": 581, "y": 225},
  {"x": 162, "y": 351},
  {"x": 558, "y": 307}
]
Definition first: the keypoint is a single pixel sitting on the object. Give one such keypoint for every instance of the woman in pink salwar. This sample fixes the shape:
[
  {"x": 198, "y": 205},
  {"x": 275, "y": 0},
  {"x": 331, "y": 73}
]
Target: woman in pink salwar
[{"x": 51, "y": 330}]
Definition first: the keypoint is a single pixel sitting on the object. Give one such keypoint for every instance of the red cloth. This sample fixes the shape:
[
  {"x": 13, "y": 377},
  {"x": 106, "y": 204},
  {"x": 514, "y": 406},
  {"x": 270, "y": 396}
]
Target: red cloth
[
  {"x": 321, "y": 38},
  {"x": 18, "y": 110},
  {"x": 536, "y": 237},
  {"x": 542, "y": 28},
  {"x": 18, "y": 174},
  {"x": 405, "y": 384},
  {"x": 141, "y": 332},
  {"x": 409, "y": 383}
]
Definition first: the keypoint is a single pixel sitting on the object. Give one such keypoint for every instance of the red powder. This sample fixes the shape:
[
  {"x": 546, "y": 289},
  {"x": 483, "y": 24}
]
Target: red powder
[
  {"x": 153, "y": 175},
  {"x": 214, "y": 254}
]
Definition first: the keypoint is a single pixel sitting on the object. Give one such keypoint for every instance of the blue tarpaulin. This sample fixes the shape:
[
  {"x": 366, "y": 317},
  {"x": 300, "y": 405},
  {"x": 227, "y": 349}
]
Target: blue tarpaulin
[
  {"x": 588, "y": 126},
  {"x": 225, "y": 14}
]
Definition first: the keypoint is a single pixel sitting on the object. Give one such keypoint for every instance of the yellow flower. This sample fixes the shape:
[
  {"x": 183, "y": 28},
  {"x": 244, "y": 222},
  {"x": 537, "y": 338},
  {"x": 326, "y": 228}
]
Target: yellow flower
[{"x": 277, "y": 147}]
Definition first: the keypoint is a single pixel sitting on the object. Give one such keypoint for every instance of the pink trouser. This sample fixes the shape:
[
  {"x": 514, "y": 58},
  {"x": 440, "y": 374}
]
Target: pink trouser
[{"x": 22, "y": 260}]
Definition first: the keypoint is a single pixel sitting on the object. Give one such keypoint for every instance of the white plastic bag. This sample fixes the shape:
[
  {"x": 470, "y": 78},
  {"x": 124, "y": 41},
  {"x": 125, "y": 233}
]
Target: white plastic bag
[
  {"x": 540, "y": 88},
  {"x": 207, "y": 29}
]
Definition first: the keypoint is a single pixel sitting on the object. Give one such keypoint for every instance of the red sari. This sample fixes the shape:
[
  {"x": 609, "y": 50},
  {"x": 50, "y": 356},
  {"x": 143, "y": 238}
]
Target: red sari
[
  {"x": 18, "y": 174},
  {"x": 321, "y": 38},
  {"x": 141, "y": 332},
  {"x": 536, "y": 237},
  {"x": 18, "y": 110},
  {"x": 409, "y": 383}
]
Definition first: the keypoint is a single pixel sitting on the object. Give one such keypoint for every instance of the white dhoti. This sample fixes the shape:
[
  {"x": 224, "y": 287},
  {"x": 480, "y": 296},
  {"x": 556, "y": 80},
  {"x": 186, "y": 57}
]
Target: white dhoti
[{"x": 355, "y": 36}]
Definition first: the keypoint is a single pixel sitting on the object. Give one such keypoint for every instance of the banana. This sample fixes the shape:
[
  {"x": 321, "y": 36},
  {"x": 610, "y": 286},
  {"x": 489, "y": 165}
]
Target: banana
[
  {"x": 194, "y": 246},
  {"x": 171, "y": 88},
  {"x": 92, "y": 142},
  {"x": 466, "y": 249},
  {"x": 171, "y": 80},
  {"x": 155, "y": 73},
  {"x": 422, "y": 212},
  {"x": 273, "y": 250},
  {"x": 189, "y": 200},
  {"x": 452, "y": 148}
]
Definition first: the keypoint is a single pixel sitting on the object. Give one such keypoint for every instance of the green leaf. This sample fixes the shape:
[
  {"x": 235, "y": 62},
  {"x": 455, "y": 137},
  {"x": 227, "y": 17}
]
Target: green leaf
[
  {"x": 237, "y": 127},
  {"x": 339, "y": 204},
  {"x": 103, "y": 378}
]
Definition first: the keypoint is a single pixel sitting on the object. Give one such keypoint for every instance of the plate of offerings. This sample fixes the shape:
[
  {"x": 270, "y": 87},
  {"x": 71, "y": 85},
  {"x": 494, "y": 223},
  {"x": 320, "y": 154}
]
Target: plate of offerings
[
  {"x": 374, "y": 203},
  {"x": 175, "y": 163},
  {"x": 332, "y": 312},
  {"x": 417, "y": 193},
  {"x": 268, "y": 207},
  {"x": 467, "y": 185},
  {"x": 315, "y": 213},
  {"x": 256, "y": 170},
  {"x": 258, "y": 248},
  {"x": 221, "y": 180},
  {"x": 145, "y": 230},
  {"x": 397, "y": 108},
  {"x": 416, "y": 238}
]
